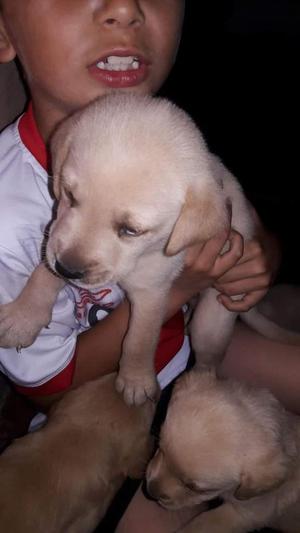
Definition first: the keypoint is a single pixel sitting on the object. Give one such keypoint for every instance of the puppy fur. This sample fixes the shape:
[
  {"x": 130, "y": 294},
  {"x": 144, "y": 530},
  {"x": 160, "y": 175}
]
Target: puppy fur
[
  {"x": 136, "y": 185},
  {"x": 224, "y": 439},
  {"x": 63, "y": 477}
]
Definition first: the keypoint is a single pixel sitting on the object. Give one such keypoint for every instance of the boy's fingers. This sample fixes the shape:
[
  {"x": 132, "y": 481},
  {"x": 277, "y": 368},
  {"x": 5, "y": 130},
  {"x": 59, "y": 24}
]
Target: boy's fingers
[
  {"x": 244, "y": 285},
  {"x": 249, "y": 300},
  {"x": 243, "y": 271},
  {"x": 203, "y": 255},
  {"x": 253, "y": 250},
  {"x": 192, "y": 254},
  {"x": 226, "y": 261},
  {"x": 209, "y": 258}
]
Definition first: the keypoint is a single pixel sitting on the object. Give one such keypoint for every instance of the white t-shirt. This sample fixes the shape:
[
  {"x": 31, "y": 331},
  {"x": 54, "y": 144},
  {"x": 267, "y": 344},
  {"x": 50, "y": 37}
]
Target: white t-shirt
[{"x": 25, "y": 210}]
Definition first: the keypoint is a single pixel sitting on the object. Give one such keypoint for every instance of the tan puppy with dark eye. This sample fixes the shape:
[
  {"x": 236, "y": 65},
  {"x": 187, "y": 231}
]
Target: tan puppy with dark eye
[
  {"x": 135, "y": 186},
  {"x": 63, "y": 477},
  {"x": 224, "y": 439}
]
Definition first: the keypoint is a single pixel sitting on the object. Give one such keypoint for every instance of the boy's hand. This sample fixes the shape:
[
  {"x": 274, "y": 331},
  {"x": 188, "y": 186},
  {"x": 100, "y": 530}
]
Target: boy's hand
[
  {"x": 204, "y": 264},
  {"x": 247, "y": 268},
  {"x": 253, "y": 274}
]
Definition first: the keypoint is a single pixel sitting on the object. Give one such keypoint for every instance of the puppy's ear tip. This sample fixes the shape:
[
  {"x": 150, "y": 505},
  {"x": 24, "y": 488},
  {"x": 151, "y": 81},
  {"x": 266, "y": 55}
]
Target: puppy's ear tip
[{"x": 171, "y": 249}]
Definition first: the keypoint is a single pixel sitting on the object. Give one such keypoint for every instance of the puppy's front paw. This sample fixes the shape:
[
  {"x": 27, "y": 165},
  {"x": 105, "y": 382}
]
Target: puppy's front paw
[
  {"x": 19, "y": 327},
  {"x": 137, "y": 389},
  {"x": 12, "y": 330}
]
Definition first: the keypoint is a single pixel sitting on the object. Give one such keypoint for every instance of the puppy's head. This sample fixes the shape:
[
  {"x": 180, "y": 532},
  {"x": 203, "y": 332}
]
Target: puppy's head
[
  {"x": 219, "y": 439},
  {"x": 132, "y": 177}
]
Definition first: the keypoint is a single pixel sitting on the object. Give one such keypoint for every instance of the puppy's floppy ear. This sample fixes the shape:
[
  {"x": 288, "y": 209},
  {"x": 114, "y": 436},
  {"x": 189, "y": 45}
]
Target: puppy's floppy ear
[
  {"x": 268, "y": 473},
  {"x": 60, "y": 146},
  {"x": 202, "y": 216}
]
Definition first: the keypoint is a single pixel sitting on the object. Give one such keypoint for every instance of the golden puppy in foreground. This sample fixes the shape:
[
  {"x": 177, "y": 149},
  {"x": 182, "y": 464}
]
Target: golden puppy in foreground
[
  {"x": 63, "y": 477},
  {"x": 135, "y": 186},
  {"x": 224, "y": 439}
]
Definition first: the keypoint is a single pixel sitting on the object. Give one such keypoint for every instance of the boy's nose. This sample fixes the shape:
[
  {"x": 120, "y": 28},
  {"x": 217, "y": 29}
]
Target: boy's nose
[{"x": 120, "y": 13}]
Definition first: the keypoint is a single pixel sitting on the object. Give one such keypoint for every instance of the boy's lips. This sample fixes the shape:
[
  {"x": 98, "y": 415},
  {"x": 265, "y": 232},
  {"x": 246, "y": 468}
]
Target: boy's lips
[{"x": 120, "y": 69}]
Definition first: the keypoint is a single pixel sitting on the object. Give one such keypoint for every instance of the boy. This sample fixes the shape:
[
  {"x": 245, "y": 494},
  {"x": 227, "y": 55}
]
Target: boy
[
  {"x": 73, "y": 51},
  {"x": 71, "y": 54}
]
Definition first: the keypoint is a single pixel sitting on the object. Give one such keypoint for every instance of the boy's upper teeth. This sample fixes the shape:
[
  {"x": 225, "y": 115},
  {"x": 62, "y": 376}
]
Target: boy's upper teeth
[{"x": 119, "y": 63}]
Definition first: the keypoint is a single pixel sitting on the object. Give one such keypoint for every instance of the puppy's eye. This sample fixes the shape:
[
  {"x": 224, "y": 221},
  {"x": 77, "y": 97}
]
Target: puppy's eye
[
  {"x": 128, "y": 231},
  {"x": 71, "y": 198}
]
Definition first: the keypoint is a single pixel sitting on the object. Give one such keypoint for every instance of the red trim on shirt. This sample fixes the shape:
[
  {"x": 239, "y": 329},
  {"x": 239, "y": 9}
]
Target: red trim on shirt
[
  {"x": 170, "y": 341},
  {"x": 172, "y": 333},
  {"x": 58, "y": 383},
  {"x": 32, "y": 138}
]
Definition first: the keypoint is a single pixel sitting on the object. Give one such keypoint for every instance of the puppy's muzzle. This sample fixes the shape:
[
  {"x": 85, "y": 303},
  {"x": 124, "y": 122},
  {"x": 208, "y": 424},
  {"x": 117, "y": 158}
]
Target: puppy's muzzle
[
  {"x": 146, "y": 492},
  {"x": 153, "y": 491}
]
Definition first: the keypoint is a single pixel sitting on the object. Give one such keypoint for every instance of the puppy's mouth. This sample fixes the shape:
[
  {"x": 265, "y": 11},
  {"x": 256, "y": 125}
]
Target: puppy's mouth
[
  {"x": 89, "y": 285},
  {"x": 91, "y": 282},
  {"x": 84, "y": 279},
  {"x": 168, "y": 504}
]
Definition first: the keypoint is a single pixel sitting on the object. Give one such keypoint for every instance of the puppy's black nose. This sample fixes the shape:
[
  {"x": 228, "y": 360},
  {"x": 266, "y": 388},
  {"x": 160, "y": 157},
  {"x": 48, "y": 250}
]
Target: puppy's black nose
[
  {"x": 65, "y": 273},
  {"x": 145, "y": 491}
]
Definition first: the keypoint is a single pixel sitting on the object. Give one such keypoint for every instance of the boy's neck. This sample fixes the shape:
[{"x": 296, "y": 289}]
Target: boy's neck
[{"x": 47, "y": 118}]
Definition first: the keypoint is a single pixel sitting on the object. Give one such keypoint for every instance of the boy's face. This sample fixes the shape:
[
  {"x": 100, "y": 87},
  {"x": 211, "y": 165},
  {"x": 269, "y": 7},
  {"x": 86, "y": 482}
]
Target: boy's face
[{"x": 75, "y": 50}]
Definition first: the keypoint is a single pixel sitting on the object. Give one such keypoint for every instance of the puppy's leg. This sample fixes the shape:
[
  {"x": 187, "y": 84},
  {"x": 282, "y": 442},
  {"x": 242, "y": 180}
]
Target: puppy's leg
[
  {"x": 136, "y": 378},
  {"x": 211, "y": 328},
  {"x": 223, "y": 519},
  {"x": 22, "y": 319}
]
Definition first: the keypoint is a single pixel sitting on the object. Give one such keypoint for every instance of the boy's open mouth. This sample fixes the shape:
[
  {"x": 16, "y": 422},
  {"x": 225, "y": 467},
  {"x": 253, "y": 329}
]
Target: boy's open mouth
[
  {"x": 116, "y": 63},
  {"x": 120, "y": 69}
]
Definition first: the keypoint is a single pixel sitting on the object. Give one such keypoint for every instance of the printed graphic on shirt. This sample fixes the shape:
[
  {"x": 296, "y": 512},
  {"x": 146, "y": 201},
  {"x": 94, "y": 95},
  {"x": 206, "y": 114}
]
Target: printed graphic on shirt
[{"x": 95, "y": 304}]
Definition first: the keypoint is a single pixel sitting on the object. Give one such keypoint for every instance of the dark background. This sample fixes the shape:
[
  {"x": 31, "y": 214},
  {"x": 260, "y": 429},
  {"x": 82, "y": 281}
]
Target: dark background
[{"x": 237, "y": 75}]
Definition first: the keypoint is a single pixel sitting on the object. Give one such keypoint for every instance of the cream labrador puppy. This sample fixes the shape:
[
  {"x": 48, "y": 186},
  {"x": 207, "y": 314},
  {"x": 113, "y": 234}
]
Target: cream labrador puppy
[
  {"x": 63, "y": 477},
  {"x": 136, "y": 185},
  {"x": 224, "y": 439}
]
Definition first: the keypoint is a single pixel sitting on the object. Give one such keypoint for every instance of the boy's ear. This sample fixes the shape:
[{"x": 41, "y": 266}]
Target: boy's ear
[
  {"x": 7, "y": 51},
  {"x": 203, "y": 215}
]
